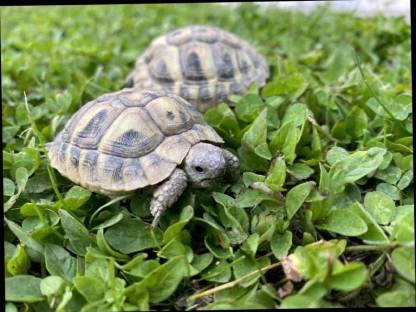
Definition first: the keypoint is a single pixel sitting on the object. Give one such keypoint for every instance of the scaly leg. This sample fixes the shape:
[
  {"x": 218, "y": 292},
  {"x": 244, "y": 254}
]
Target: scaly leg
[{"x": 166, "y": 194}]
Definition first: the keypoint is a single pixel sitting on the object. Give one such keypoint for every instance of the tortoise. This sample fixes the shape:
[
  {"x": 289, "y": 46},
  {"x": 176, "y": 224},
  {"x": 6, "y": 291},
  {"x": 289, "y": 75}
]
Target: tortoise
[
  {"x": 128, "y": 140},
  {"x": 202, "y": 64}
]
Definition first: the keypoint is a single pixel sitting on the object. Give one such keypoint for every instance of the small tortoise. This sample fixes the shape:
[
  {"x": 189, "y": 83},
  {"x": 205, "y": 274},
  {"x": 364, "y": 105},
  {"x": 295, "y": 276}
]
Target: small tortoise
[
  {"x": 202, "y": 64},
  {"x": 130, "y": 140}
]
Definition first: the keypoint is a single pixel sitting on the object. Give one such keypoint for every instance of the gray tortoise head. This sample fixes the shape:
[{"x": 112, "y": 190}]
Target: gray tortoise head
[
  {"x": 202, "y": 64},
  {"x": 205, "y": 165}
]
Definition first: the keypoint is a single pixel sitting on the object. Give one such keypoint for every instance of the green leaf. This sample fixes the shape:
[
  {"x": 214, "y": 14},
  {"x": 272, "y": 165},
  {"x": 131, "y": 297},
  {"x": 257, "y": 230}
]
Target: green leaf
[
  {"x": 233, "y": 218},
  {"x": 357, "y": 122},
  {"x": 92, "y": 288},
  {"x": 76, "y": 197},
  {"x": 60, "y": 262},
  {"x": 21, "y": 178},
  {"x": 248, "y": 265},
  {"x": 28, "y": 158},
  {"x": 8, "y": 187},
  {"x": 263, "y": 151},
  {"x": 76, "y": 232},
  {"x": 103, "y": 246},
  {"x": 324, "y": 180},
  {"x": 401, "y": 106},
  {"x": 405, "y": 180},
  {"x": 173, "y": 249},
  {"x": 142, "y": 301},
  {"x": 223, "y": 120},
  {"x": 248, "y": 107},
  {"x": 144, "y": 268},
  {"x": 374, "y": 233},
  {"x": 9, "y": 250},
  {"x": 344, "y": 222},
  {"x": 20, "y": 262},
  {"x": 298, "y": 301},
  {"x": 296, "y": 196},
  {"x": 63, "y": 101},
  {"x": 403, "y": 229},
  {"x": 251, "y": 161},
  {"x": 250, "y": 178},
  {"x": 161, "y": 282},
  {"x": 292, "y": 85},
  {"x": 25, "y": 238},
  {"x": 390, "y": 175},
  {"x": 335, "y": 154},
  {"x": 251, "y": 244},
  {"x": 38, "y": 183},
  {"x": 277, "y": 175},
  {"x": 296, "y": 113},
  {"x": 200, "y": 262},
  {"x": 175, "y": 229},
  {"x": 349, "y": 277},
  {"x": 402, "y": 295},
  {"x": 23, "y": 288},
  {"x": 11, "y": 307},
  {"x": 346, "y": 170},
  {"x": 109, "y": 222},
  {"x": 404, "y": 262},
  {"x": 256, "y": 135},
  {"x": 51, "y": 285},
  {"x": 390, "y": 190},
  {"x": 300, "y": 171},
  {"x": 314, "y": 289},
  {"x": 285, "y": 141},
  {"x": 219, "y": 272},
  {"x": 99, "y": 265},
  {"x": 281, "y": 243},
  {"x": 380, "y": 206},
  {"x": 132, "y": 235},
  {"x": 136, "y": 261},
  {"x": 250, "y": 198}
]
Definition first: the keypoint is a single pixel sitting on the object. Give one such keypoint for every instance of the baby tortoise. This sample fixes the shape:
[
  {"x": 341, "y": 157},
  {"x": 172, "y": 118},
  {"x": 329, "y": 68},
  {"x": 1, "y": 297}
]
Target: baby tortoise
[
  {"x": 202, "y": 64},
  {"x": 130, "y": 140}
]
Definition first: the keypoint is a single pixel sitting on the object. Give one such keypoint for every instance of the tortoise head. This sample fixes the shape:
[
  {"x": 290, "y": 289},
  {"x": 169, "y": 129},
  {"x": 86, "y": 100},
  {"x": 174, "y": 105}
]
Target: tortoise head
[{"x": 206, "y": 165}]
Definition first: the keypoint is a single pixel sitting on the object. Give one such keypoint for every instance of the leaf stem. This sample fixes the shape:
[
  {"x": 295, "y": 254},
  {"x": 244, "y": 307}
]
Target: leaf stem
[
  {"x": 321, "y": 131},
  {"x": 41, "y": 139},
  {"x": 371, "y": 247},
  {"x": 233, "y": 283},
  {"x": 369, "y": 87}
]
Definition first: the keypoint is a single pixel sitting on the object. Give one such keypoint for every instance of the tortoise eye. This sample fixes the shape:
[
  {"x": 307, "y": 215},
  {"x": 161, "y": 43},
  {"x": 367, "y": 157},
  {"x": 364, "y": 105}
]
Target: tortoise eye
[{"x": 199, "y": 169}]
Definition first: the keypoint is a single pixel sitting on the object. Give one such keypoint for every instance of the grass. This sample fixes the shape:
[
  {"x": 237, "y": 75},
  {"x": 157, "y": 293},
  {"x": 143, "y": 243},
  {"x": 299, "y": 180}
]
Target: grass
[{"x": 322, "y": 215}]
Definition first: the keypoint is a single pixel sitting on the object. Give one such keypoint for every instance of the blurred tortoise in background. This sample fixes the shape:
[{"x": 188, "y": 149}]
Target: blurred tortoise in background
[
  {"x": 202, "y": 64},
  {"x": 130, "y": 140}
]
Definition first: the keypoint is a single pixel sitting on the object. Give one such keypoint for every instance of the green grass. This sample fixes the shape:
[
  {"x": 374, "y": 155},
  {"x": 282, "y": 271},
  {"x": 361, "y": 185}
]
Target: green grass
[{"x": 322, "y": 215}]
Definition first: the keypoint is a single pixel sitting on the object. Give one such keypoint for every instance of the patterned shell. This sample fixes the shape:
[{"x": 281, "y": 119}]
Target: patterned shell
[
  {"x": 202, "y": 64},
  {"x": 127, "y": 140}
]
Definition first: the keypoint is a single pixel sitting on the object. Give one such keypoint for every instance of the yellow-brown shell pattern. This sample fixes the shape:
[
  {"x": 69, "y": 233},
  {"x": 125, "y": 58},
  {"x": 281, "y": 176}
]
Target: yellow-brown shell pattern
[
  {"x": 128, "y": 140},
  {"x": 202, "y": 64}
]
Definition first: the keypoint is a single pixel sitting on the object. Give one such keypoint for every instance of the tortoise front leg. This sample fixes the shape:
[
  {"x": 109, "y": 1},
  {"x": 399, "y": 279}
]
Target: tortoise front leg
[{"x": 167, "y": 193}]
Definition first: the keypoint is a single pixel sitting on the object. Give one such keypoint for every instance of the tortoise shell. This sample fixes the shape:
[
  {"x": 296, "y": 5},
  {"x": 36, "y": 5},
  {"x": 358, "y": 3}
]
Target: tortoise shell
[
  {"x": 202, "y": 64},
  {"x": 128, "y": 140}
]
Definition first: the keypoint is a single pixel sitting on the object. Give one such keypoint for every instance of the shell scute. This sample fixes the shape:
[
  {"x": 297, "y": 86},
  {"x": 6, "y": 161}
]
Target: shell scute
[
  {"x": 132, "y": 134},
  {"x": 169, "y": 115},
  {"x": 205, "y": 34}
]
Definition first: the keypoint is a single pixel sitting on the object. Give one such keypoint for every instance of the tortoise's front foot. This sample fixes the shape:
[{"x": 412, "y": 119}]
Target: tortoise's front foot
[{"x": 166, "y": 194}]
